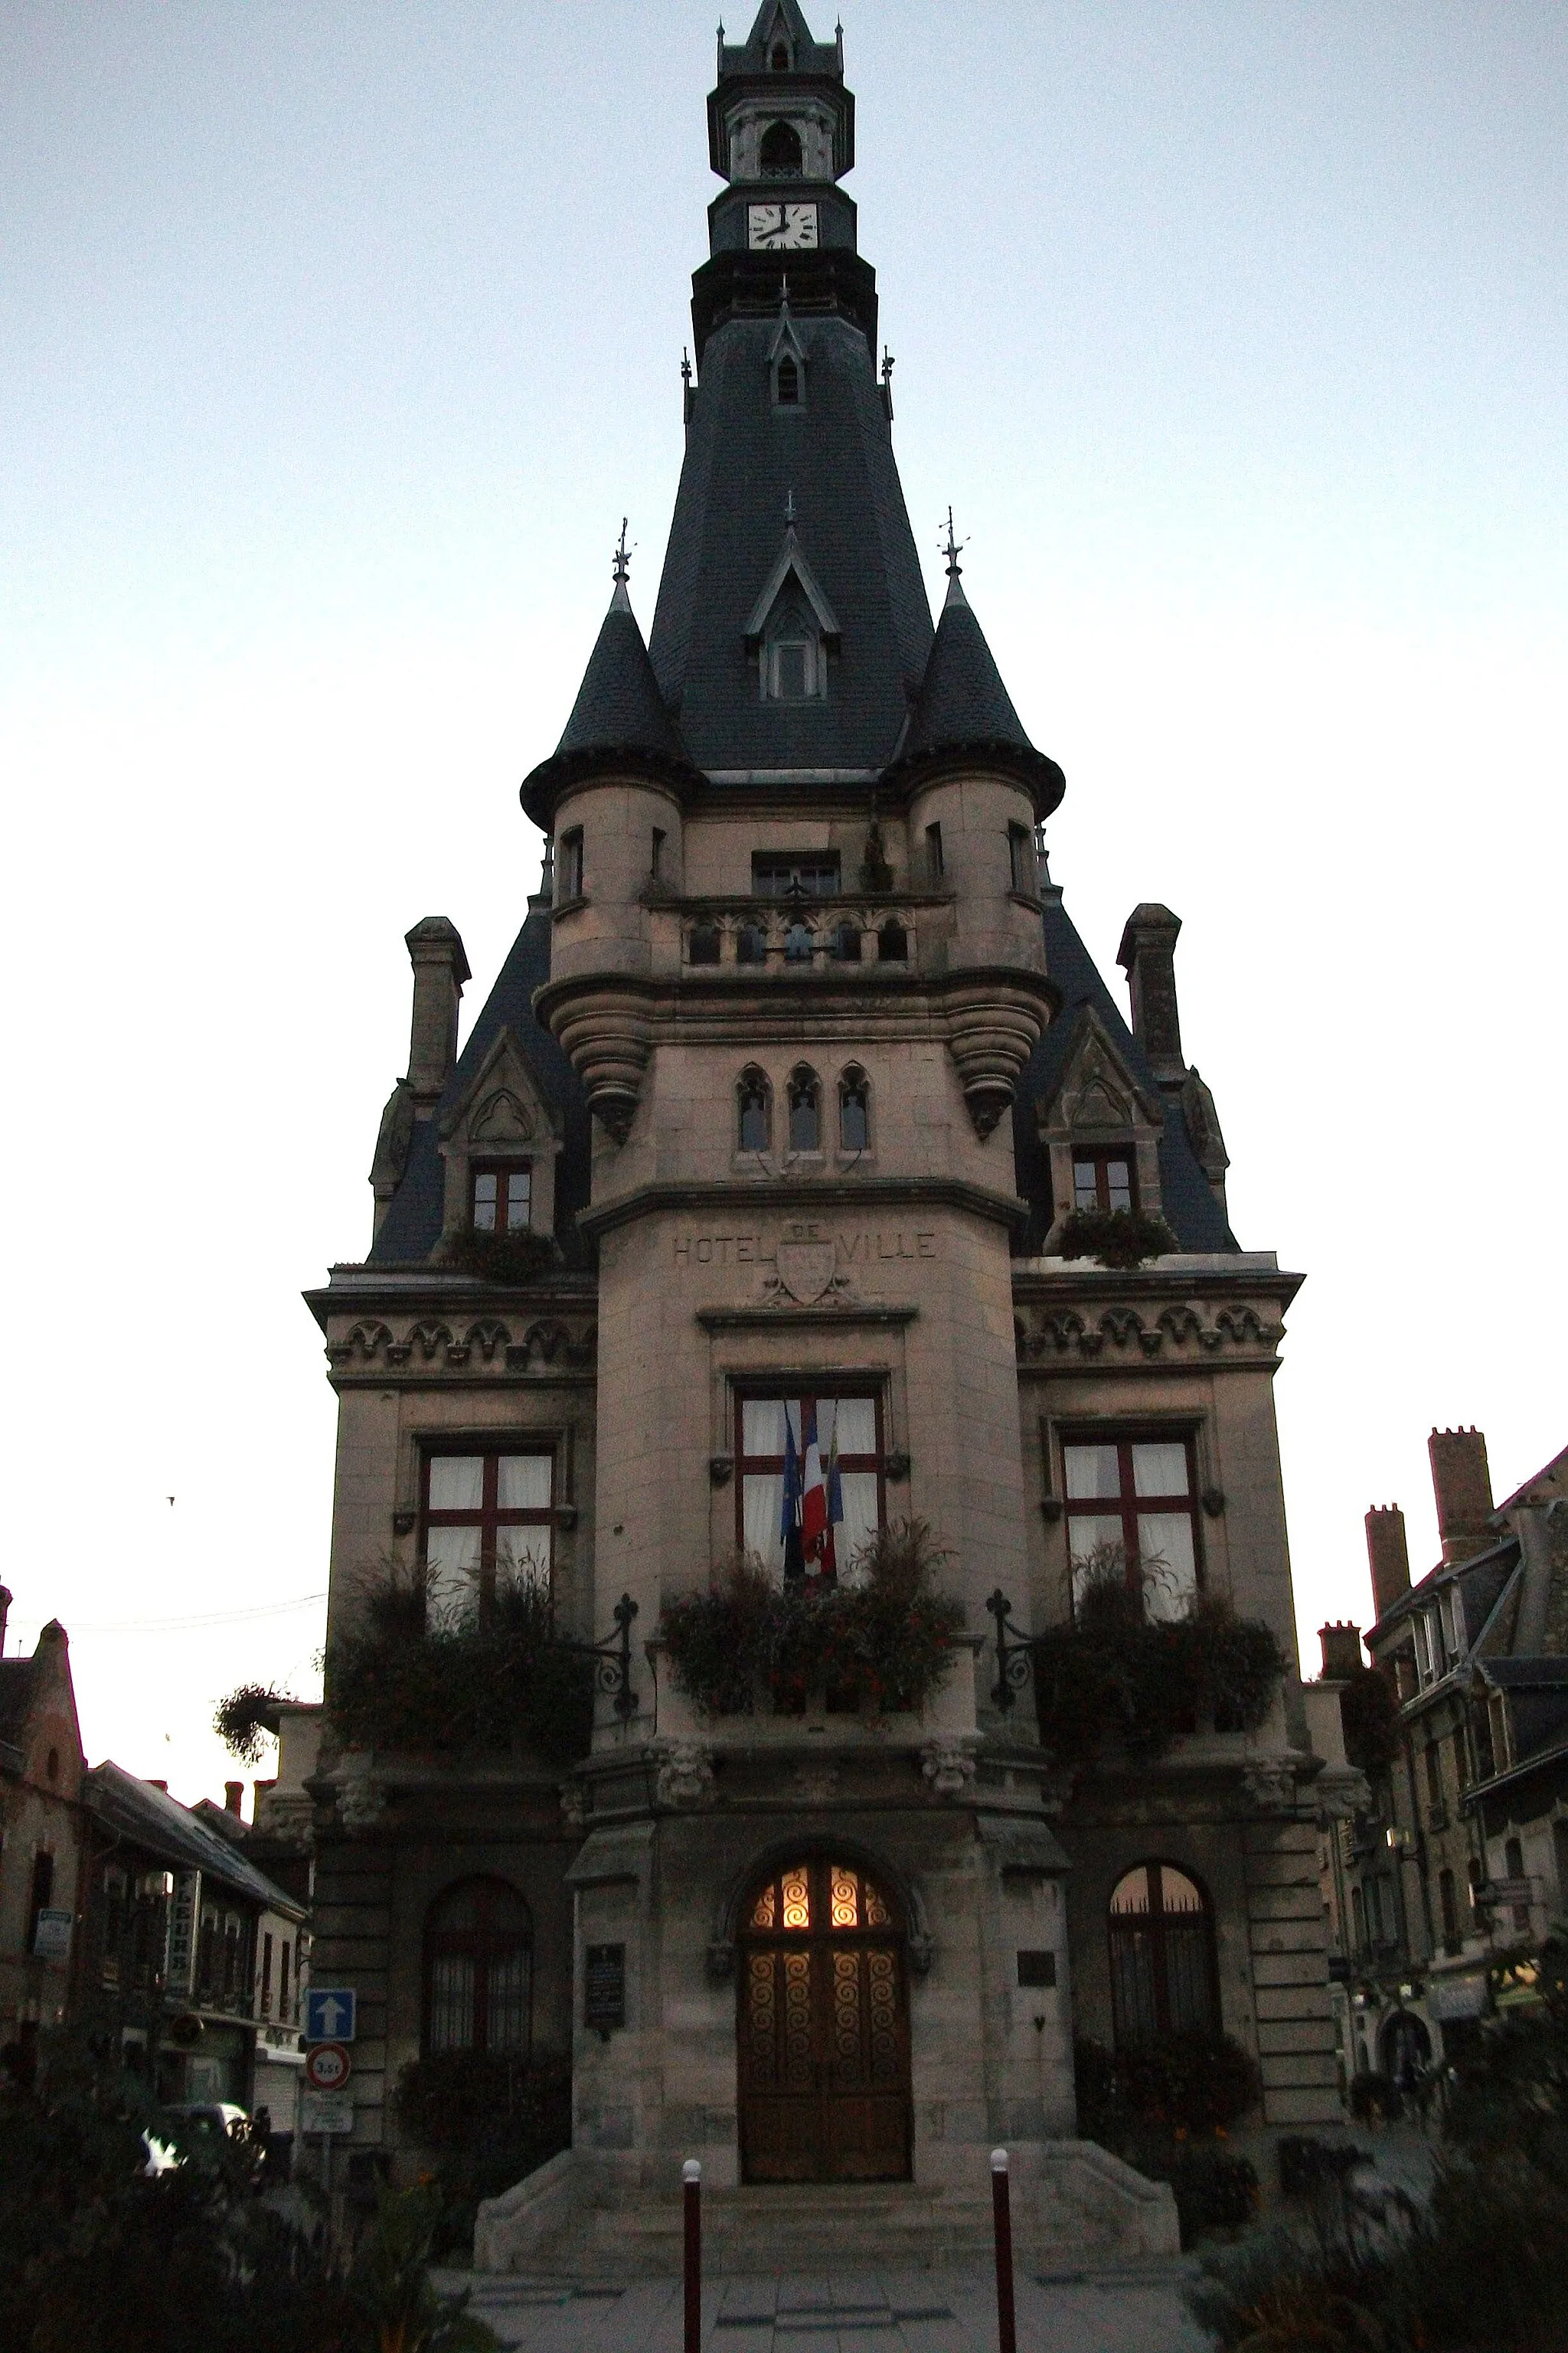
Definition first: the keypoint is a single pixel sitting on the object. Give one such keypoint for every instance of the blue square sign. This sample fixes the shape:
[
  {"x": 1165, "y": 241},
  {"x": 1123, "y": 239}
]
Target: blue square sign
[{"x": 330, "y": 2014}]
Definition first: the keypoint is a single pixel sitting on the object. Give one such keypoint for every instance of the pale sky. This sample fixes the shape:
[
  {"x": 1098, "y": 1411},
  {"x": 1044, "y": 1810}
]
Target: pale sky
[{"x": 335, "y": 339}]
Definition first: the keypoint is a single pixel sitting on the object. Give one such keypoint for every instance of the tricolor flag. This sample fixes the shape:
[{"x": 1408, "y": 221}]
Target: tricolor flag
[
  {"x": 822, "y": 1498},
  {"x": 789, "y": 1518}
]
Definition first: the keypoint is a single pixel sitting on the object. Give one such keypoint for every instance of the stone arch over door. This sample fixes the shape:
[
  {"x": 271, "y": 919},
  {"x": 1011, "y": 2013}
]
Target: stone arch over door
[{"x": 823, "y": 2024}]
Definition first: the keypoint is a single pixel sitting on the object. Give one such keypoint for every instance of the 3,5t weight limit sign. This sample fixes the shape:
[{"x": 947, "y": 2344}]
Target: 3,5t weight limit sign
[{"x": 328, "y": 2067}]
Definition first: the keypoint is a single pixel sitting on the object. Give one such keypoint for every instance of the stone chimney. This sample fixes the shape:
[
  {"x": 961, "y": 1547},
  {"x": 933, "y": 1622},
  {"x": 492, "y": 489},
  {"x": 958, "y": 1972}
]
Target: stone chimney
[
  {"x": 440, "y": 968},
  {"x": 1342, "y": 1651},
  {"x": 234, "y": 1799},
  {"x": 1463, "y": 1486},
  {"x": 1388, "y": 1556},
  {"x": 1148, "y": 957},
  {"x": 158, "y": 1784}
]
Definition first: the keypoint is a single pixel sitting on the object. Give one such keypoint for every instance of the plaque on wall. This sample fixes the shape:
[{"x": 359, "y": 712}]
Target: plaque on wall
[
  {"x": 604, "y": 1988},
  {"x": 1037, "y": 1969}
]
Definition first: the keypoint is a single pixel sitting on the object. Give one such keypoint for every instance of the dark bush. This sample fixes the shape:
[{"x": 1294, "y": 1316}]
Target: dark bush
[
  {"x": 511, "y": 1685},
  {"x": 883, "y": 1640},
  {"x": 1191, "y": 2082},
  {"x": 1306, "y": 2165},
  {"x": 1114, "y": 1671},
  {"x": 487, "y": 2119},
  {"x": 503, "y": 1258},
  {"x": 247, "y": 1719},
  {"x": 1117, "y": 1238}
]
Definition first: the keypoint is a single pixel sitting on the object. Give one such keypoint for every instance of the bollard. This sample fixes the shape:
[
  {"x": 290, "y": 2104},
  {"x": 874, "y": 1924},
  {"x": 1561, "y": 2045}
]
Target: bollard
[
  {"x": 692, "y": 2176},
  {"x": 1002, "y": 2214}
]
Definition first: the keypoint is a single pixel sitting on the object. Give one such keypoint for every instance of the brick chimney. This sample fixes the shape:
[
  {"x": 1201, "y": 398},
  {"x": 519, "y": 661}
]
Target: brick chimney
[
  {"x": 1388, "y": 1556},
  {"x": 1342, "y": 1651},
  {"x": 1148, "y": 957},
  {"x": 440, "y": 968},
  {"x": 234, "y": 1798},
  {"x": 1462, "y": 1484}
]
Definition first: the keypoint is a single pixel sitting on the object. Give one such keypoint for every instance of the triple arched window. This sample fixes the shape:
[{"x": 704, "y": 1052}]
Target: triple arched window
[
  {"x": 1163, "y": 1979},
  {"x": 803, "y": 1095},
  {"x": 478, "y": 1969}
]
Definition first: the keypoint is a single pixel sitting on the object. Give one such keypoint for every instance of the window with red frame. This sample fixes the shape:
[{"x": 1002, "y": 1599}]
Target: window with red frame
[
  {"x": 478, "y": 1969},
  {"x": 845, "y": 1421},
  {"x": 1104, "y": 1180},
  {"x": 1131, "y": 1507},
  {"x": 487, "y": 1518},
  {"x": 503, "y": 1199}
]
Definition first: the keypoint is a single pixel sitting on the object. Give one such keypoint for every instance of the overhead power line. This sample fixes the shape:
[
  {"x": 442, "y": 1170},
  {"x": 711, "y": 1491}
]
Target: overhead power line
[{"x": 218, "y": 1618}]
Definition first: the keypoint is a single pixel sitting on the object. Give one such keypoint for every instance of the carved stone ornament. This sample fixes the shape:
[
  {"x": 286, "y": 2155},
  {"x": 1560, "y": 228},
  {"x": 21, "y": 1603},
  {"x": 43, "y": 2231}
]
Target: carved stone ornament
[
  {"x": 684, "y": 1774},
  {"x": 806, "y": 1270},
  {"x": 362, "y": 1793},
  {"x": 948, "y": 1764},
  {"x": 573, "y": 1805},
  {"x": 1342, "y": 1792},
  {"x": 1269, "y": 1784},
  {"x": 815, "y": 1784}
]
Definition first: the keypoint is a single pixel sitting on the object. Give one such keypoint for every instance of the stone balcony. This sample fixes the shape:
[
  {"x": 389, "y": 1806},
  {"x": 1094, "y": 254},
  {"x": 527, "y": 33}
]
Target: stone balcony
[{"x": 763, "y": 938}]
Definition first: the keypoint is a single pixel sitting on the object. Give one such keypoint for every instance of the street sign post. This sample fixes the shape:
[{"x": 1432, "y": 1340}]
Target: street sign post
[
  {"x": 330, "y": 2014},
  {"x": 328, "y": 2067}
]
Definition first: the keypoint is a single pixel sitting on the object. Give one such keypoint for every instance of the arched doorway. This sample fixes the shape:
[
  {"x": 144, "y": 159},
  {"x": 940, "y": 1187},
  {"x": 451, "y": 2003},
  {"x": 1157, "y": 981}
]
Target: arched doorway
[{"x": 822, "y": 2030}]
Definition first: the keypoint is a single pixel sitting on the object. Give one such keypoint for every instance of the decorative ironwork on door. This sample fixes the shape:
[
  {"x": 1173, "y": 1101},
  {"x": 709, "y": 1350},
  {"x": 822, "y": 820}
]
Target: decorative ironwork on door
[{"x": 823, "y": 2031}]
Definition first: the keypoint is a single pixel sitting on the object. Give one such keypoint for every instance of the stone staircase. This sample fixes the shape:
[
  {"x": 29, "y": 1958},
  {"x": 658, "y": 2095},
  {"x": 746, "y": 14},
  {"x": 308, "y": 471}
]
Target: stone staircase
[{"x": 585, "y": 2215}]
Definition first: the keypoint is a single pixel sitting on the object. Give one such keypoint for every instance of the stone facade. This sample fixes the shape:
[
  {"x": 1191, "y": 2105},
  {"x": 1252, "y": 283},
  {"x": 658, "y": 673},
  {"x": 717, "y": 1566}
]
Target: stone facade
[{"x": 801, "y": 1062}]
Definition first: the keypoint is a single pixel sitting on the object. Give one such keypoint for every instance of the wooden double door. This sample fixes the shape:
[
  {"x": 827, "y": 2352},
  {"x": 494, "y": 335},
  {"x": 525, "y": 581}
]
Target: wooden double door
[{"x": 823, "y": 2031}]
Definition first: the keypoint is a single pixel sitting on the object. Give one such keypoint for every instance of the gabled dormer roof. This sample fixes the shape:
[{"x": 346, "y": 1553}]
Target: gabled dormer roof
[
  {"x": 963, "y": 707},
  {"x": 619, "y": 715},
  {"x": 790, "y": 565}
]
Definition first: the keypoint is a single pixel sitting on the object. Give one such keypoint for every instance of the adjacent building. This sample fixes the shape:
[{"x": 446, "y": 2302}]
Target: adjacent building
[
  {"x": 794, "y": 1075},
  {"x": 41, "y": 1768},
  {"x": 1457, "y": 1870}
]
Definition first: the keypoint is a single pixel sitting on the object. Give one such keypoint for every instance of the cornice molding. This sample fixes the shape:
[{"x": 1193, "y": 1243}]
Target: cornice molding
[{"x": 805, "y": 1199}]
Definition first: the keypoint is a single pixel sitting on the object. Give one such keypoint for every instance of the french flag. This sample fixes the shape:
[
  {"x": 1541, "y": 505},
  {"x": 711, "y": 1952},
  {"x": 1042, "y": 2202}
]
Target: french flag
[{"x": 822, "y": 1498}]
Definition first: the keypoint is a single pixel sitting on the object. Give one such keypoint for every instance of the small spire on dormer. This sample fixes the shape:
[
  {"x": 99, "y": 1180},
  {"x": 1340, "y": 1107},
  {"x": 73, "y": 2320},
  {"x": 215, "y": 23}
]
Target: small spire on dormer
[
  {"x": 789, "y": 508},
  {"x": 887, "y": 366}
]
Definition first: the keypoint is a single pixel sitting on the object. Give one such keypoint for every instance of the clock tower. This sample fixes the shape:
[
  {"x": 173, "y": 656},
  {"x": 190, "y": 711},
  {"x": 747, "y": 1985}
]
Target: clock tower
[{"x": 734, "y": 1235}]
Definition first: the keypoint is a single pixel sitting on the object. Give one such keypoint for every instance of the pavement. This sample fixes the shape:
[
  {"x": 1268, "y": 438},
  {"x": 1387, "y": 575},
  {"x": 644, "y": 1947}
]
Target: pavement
[{"x": 1129, "y": 2310}]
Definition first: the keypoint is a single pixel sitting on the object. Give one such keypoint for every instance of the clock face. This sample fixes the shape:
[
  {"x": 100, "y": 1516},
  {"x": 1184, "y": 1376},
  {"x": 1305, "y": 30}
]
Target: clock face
[{"x": 781, "y": 228}]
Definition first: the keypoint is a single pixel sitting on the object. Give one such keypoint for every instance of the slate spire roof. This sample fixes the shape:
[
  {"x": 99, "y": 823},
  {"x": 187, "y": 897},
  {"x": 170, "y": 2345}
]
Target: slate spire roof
[
  {"x": 964, "y": 707},
  {"x": 620, "y": 711}
]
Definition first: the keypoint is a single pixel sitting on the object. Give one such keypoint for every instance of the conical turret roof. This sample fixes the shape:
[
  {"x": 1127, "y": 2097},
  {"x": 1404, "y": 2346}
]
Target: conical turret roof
[
  {"x": 619, "y": 714},
  {"x": 962, "y": 706}
]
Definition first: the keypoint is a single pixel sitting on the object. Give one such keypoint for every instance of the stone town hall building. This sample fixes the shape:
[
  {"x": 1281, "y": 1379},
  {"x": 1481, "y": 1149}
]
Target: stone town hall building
[{"x": 800, "y": 1060}]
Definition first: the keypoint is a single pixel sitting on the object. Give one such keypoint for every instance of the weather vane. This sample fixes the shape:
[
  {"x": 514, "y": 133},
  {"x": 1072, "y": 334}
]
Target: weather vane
[
  {"x": 623, "y": 559},
  {"x": 949, "y": 548}
]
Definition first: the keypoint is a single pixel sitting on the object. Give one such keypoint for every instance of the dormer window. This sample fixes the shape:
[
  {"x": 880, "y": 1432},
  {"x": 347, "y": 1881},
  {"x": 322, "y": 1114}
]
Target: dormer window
[
  {"x": 1103, "y": 1179},
  {"x": 502, "y": 1199},
  {"x": 786, "y": 383},
  {"x": 779, "y": 60},
  {"x": 780, "y": 157}
]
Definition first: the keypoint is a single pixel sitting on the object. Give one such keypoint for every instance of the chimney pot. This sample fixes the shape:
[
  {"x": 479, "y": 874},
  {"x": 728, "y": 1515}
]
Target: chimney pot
[
  {"x": 1342, "y": 1651},
  {"x": 440, "y": 968},
  {"x": 233, "y": 1797},
  {"x": 1388, "y": 1556},
  {"x": 1462, "y": 1484},
  {"x": 1148, "y": 957}
]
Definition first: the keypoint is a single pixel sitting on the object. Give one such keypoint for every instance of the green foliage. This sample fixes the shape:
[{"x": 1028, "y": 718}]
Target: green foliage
[
  {"x": 487, "y": 2119},
  {"x": 1117, "y": 1238},
  {"x": 247, "y": 1719},
  {"x": 97, "y": 2257},
  {"x": 1192, "y": 2083},
  {"x": 883, "y": 1640},
  {"x": 1370, "y": 1712},
  {"x": 509, "y": 1685},
  {"x": 513, "y": 1256},
  {"x": 1306, "y": 2164},
  {"x": 1114, "y": 1669}
]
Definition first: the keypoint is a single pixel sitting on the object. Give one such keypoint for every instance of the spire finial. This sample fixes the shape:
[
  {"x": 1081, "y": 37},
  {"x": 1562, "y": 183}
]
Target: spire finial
[
  {"x": 949, "y": 548},
  {"x": 622, "y": 563},
  {"x": 783, "y": 291},
  {"x": 789, "y": 509}
]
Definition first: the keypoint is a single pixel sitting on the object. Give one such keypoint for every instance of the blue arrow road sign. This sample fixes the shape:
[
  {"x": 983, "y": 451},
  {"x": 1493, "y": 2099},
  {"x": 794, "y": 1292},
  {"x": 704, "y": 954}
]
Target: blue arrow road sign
[{"x": 330, "y": 2014}]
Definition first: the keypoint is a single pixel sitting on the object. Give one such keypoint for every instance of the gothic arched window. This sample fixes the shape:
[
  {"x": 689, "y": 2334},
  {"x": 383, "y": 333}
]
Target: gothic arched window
[
  {"x": 779, "y": 154},
  {"x": 754, "y": 1111},
  {"x": 893, "y": 942},
  {"x": 854, "y": 1110},
  {"x": 1162, "y": 1974},
  {"x": 786, "y": 383},
  {"x": 805, "y": 1110},
  {"x": 478, "y": 1969}
]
